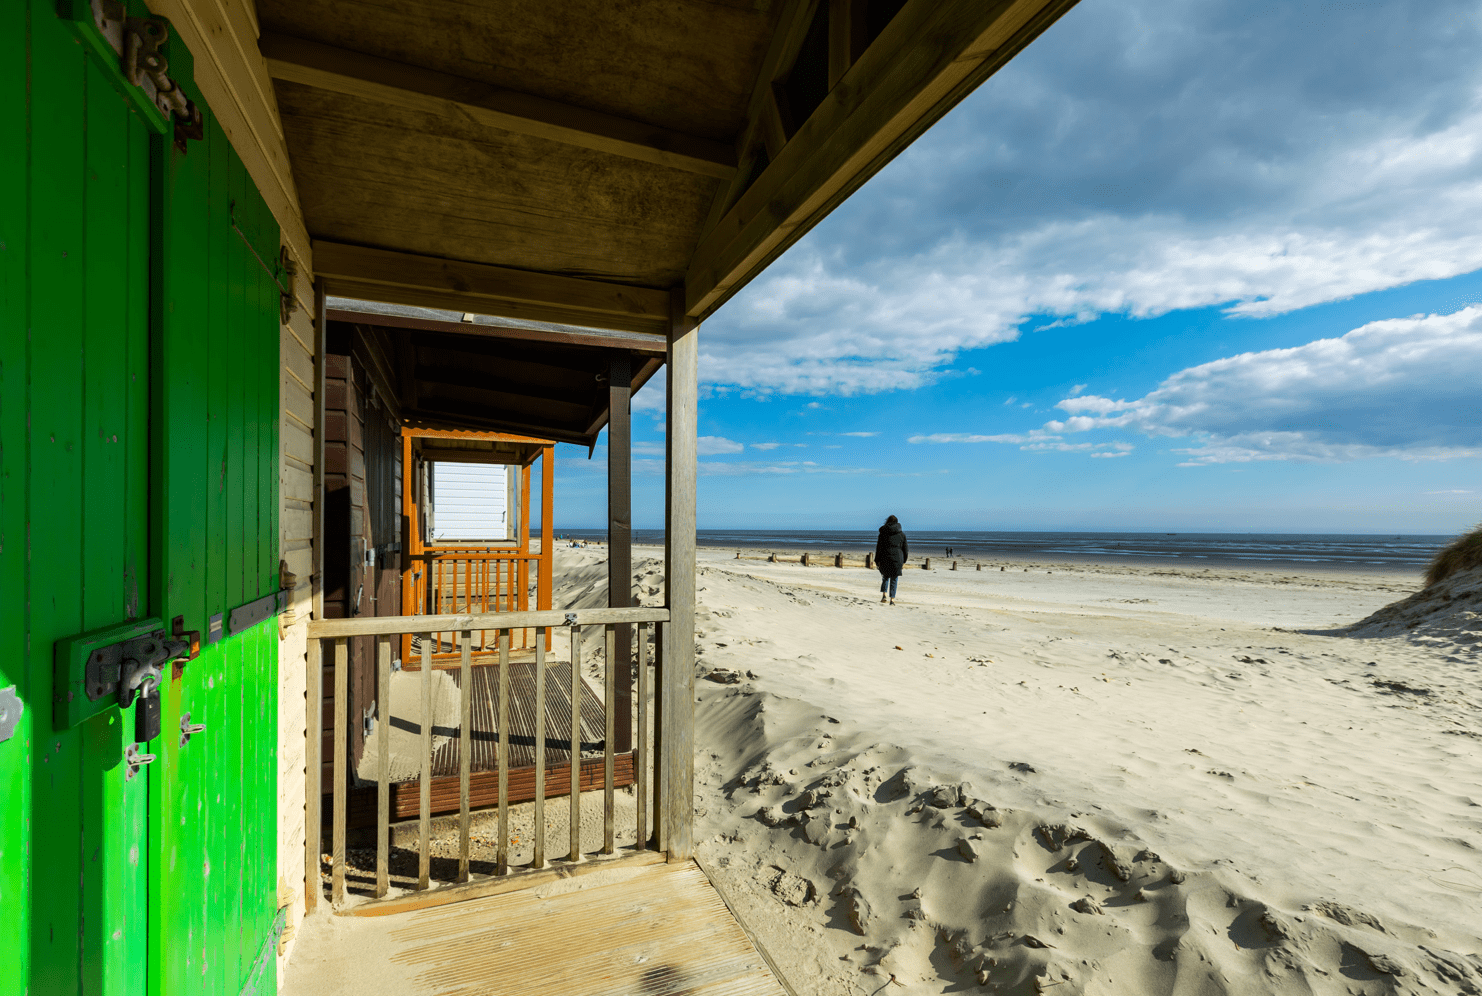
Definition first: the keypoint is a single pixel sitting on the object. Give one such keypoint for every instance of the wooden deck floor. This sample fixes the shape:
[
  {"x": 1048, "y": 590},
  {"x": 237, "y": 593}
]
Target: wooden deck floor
[{"x": 635, "y": 930}]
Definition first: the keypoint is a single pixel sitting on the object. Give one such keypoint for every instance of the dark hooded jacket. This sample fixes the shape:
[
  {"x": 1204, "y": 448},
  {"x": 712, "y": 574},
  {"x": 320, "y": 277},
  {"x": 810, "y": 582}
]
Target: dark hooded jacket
[{"x": 891, "y": 550}]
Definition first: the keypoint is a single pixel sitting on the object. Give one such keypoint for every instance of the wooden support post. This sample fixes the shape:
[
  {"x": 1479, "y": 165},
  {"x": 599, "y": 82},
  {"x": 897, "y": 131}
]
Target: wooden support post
[
  {"x": 640, "y": 748},
  {"x": 869, "y": 561},
  {"x": 620, "y": 533},
  {"x": 609, "y": 703},
  {"x": 838, "y": 560},
  {"x": 341, "y": 768},
  {"x": 677, "y": 680},
  {"x": 501, "y": 855},
  {"x": 314, "y": 704},
  {"x": 542, "y": 638},
  {"x": 465, "y": 747},
  {"x": 424, "y": 828},
  {"x": 314, "y": 777},
  {"x": 383, "y": 765},
  {"x": 575, "y": 676},
  {"x": 547, "y": 533}
]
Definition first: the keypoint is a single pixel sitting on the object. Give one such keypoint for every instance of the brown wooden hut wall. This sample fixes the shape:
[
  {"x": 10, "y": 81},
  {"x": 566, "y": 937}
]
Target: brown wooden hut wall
[{"x": 362, "y": 483}]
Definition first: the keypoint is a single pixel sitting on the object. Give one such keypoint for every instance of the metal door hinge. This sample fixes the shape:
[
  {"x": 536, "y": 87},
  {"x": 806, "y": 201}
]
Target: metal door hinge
[
  {"x": 137, "y": 42},
  {"x": 11, "y": 708}
]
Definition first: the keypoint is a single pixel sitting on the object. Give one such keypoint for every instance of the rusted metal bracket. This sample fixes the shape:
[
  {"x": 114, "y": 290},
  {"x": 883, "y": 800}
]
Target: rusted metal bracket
[
  {"x": 137, "y": 42},
  {"x": 287, "y": 303}
]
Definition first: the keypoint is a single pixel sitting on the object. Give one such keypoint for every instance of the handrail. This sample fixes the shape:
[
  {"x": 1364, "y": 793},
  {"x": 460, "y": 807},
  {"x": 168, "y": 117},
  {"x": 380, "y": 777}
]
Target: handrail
[
  {"x": 330, "y": 639},
  {"x": 397, "y": 625}
]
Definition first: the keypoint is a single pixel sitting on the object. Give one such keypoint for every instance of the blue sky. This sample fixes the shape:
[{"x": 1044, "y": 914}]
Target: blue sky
[{"x": 1183, "y": 264}]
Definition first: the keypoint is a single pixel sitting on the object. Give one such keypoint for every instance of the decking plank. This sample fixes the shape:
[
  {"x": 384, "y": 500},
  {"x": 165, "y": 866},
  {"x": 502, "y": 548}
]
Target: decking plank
[{"x": 658, "y": 930}]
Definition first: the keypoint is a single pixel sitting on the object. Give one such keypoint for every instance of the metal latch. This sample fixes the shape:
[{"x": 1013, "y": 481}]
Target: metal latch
[
  {"x": 114, "y": 667},
  {"x": 133, "y": 761},
  {"x": 189, "y": 729}
]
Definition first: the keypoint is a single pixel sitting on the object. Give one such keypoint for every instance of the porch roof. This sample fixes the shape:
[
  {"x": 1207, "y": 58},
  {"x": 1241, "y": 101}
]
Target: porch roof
[
  {"x": 621, "y": 166},
  {"x": 457, "y": 371}
]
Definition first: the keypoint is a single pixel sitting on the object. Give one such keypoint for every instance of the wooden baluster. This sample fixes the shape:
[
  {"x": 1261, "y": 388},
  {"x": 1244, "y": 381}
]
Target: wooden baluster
[
  {"x": 314, "y": 773},
  {"x": 341, "y": 761},
  {"x": 640, "y": 743},
  {"x": 609, "y": 739},
  {"x": 424, "y": 837},
  {"x": 383, "y": 764},
  {"x": 538, "y": 861},
  {"x": 465, "y": 747},
  {"x": 575, "y": 743},
  {"x": 502, "y": 856}
]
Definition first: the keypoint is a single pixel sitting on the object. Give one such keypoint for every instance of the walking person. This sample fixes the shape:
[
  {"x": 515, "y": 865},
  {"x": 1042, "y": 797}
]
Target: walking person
[{"x": 891, "y": 554}]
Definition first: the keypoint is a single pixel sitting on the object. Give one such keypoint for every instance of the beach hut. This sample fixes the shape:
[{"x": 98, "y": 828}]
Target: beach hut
[{"x": 245, "y": 245}]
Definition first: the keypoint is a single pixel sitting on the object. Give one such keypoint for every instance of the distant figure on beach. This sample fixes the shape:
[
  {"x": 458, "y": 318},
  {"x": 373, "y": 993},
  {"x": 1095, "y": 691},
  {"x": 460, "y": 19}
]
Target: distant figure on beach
[{"x": 891, "y": 554}]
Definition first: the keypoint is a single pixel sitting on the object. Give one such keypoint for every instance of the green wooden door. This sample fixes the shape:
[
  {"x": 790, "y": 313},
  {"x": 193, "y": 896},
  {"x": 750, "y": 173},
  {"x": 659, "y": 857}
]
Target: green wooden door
[
  {"x": 138, "y": 478},
  {"x": 75, "y": 539},
  {"x": 217, "y": 513}
]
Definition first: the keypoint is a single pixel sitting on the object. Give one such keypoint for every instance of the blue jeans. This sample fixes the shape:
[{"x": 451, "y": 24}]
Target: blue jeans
[{"x": 888, "y": 583}]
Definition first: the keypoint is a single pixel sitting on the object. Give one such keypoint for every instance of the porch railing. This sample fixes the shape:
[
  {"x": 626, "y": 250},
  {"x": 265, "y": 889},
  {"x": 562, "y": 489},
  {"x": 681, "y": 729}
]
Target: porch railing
[
  {"x": 474, "y": 582},
  {"x": 329, "y": 640}
]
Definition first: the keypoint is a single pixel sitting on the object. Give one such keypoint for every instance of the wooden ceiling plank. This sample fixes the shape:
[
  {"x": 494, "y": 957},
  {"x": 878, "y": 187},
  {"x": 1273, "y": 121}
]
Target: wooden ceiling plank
[
  {"x": 480, "y": 288},
  {"x": 931, "y": 55},
  {"x": 440, "y": 95}
]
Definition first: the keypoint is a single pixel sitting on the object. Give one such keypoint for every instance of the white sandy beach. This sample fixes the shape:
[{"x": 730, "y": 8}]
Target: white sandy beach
[{"x": 1089, "y": 779}]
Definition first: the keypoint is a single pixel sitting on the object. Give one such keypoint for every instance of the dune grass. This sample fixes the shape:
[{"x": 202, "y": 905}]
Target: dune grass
[{"x": 1463, "y": 552}]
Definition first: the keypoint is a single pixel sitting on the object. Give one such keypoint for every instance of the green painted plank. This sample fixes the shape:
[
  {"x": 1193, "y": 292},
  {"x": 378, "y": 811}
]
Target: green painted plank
[
  {"x": 263, "y": 785},
  {"x": 112, "y": 808},
  {"x": 15, "y": 275},
  {"x": 181, "y": 949},
  {"x": 222, "y": 715},
  {"x": 55, "y": 482}
]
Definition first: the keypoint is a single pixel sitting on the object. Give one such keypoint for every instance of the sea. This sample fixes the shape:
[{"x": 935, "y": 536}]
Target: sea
[{"x": 1387, "y": 553}]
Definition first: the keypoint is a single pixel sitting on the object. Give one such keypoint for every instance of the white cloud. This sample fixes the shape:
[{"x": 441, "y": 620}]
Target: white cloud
[
  {"x": 1145, "y": 156},
  {"x": 1034, "y": 441},
  {"x": 859, "y": 435},
  {"x": 717, "y": 445},
  {"x": 765, "y": 446},
  {"x": 648, "y": 449},
  {"x": 1405, "y": 388}
]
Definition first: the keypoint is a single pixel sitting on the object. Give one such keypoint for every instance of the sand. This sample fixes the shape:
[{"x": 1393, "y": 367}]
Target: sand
[
  {"x": 1089, "y": 778},
  {"x": 1080, "y": 779}
]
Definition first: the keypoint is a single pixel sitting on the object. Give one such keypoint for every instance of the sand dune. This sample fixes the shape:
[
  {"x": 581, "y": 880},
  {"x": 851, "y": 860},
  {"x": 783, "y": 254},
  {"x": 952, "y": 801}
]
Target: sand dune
[{"x": 1089, "y": 779}]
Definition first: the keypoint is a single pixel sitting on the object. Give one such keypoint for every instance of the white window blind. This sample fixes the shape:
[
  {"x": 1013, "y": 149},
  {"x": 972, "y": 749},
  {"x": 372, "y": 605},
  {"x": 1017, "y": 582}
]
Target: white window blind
[{"x": 470, "y": 503}]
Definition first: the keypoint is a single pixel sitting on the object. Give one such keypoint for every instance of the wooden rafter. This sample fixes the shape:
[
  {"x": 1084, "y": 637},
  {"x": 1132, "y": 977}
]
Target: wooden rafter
[
  {"x": 631, "y": 341},
  {"x": 426, "y": 281},
  {"x": 440, "y": 95},
  {"x": 930, "y": 56}
]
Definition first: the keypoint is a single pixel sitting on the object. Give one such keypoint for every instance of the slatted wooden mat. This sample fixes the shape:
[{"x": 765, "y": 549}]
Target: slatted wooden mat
[
  {"x": 649, "y": 930},
  {"x": 484, "y": 737},
  {"x": 485, "y": 734}
]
